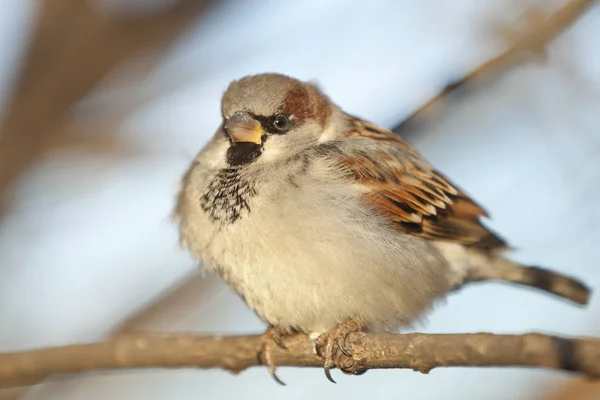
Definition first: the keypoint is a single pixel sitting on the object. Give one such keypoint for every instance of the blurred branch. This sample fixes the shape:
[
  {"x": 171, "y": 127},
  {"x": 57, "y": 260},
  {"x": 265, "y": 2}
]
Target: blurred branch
[
  {"x": 75, "y": 46},
  {"x": 168, "y": 310},
  {"x": 12, "y": 394},
  {"x": 173, "y": 305},
  {"x": 529, "y": 44},
  {"x": 579, "y": 389},
  {"x": 417, "y": 351}
]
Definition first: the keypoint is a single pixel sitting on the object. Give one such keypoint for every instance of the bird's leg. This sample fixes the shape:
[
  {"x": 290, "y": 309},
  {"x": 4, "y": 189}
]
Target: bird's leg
[
  {"x": 268, "y": 339},
  {"x": 328, "y": 343}
]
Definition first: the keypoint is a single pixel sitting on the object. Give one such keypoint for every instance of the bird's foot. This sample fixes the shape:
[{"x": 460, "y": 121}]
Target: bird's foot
[
  {"x": 330, "y": 344},
  {"x": 268, "y": 340}
]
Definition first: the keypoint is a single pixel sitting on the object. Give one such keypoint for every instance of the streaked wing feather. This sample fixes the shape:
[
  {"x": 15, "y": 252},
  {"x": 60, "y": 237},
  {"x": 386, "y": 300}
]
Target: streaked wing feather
[{"x": 417, "y": 199}]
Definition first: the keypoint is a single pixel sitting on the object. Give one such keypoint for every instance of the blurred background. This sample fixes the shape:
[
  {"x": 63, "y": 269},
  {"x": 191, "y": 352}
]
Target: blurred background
[{"x": 104, "y": 103}]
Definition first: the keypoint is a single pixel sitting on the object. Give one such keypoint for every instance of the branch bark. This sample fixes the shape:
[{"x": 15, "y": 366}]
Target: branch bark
[{"x": 417, "y": 351}]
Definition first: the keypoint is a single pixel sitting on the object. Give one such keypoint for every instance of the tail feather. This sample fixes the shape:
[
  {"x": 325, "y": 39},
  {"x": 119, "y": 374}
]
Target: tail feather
[
  {"x": 539, "y": 278},
  {"x": 554, "y": 283}
]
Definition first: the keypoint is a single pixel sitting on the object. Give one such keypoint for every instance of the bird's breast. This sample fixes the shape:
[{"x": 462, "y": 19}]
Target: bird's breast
[
  {"x": 227, "y": 196},
  {"x": 305, "y": 254}
]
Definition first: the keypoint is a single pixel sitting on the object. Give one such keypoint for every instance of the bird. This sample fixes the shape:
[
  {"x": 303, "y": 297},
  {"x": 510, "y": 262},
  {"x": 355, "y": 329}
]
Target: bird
[{"x": 327, "y": 224}]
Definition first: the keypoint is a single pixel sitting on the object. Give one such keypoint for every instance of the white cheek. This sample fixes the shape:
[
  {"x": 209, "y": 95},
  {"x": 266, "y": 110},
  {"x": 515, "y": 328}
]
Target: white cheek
[
  {"x": 270, "y": 154},
  {"x": 269, "y": 157},
  {"x": 328, "y": 134},
  {"x": 273, "y": 150}
]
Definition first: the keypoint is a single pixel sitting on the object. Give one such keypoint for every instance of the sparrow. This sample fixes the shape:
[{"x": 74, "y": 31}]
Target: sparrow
[{"x": 327, "y": 224}]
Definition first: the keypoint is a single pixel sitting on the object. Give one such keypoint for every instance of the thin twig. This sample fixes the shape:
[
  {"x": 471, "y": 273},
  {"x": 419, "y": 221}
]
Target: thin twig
[
  {"x": 417, "y": 351},
  {"x": 532, "y": 43}
]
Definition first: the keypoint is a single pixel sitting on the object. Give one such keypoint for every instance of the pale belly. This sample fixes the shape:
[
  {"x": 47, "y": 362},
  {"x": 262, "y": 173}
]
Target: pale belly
[{"x": 307, "y": 268}]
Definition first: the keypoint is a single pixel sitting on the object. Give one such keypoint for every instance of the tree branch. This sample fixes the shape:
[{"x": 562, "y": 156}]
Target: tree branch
[
  {"x": 417, "y": 351},
  {"x": 532, "y": 42}
]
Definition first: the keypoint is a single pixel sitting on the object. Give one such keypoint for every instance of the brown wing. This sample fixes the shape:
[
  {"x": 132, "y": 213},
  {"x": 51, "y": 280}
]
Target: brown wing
[{"x": 418, "y": 199}]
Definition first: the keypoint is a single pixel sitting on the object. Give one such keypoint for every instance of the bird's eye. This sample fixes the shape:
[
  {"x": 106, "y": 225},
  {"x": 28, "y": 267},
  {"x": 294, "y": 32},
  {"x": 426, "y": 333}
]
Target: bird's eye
[{"x": 281, "y": 122}]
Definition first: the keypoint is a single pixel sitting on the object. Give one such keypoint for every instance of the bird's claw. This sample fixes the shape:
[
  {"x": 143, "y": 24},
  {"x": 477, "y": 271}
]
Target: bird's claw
[
  {"x": 270, "y": 337},
  {"x": 340, "y": 344},
  {"x": 330, "y": 342}
]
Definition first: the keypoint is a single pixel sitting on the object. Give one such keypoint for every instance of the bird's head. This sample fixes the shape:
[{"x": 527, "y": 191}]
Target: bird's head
[{"x": 271, "y": 117}]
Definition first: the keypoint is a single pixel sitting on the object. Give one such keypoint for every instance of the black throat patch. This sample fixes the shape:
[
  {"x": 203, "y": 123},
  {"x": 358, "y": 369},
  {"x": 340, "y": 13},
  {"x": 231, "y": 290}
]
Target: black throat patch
[
  {"x": 243, "y": 153},
  {"x": 227, "y": 196}
]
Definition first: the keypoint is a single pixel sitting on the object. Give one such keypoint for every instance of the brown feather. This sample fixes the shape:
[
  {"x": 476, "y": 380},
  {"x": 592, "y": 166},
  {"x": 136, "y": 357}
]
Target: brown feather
[
  {"x": 417, "y": 199},
  {"x": 305, "y": 101}
]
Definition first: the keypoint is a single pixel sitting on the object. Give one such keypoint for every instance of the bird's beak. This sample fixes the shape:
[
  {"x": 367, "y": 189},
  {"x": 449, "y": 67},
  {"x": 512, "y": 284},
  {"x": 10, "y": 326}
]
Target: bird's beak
[{"x": 241, "y": 127}]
